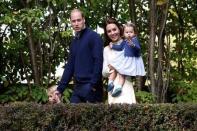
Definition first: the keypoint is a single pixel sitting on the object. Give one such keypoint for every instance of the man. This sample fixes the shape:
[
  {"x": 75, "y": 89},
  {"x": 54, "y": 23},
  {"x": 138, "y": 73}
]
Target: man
[{"x": 84, "y": 64}]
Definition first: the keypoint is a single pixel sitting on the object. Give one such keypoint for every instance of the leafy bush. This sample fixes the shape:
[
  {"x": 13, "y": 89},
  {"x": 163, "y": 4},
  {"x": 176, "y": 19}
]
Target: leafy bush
[
  {"x": 184, "y": 91},
  {"x": 145, "y": 97},
  {"x": 19, "y": 92},
  {"x": 33, "y": 116},
  {"x": 66, "y": 95}
]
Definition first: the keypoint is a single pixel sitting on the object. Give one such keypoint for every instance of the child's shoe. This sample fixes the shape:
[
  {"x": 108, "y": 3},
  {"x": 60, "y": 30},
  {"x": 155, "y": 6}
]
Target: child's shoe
[
  {"x": 110, "y": 87},
  {"x": 117, "y": 91}
]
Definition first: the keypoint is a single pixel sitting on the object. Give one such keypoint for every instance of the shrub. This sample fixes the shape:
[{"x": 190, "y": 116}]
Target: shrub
[{"x": 33, "y": 116}]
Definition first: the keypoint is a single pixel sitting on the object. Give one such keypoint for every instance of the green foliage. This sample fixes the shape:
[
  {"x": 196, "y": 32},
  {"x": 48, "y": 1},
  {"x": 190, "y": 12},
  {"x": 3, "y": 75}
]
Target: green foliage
[
  {"x": 145, "y": 97},
  {"x": 31, "y": 16},
  {"x": 4, "y": 81},
  {"x": 32, "y": 116},
  {"x": 184, "y": 91},
  {"x": 39, "y": 94},
  {"x": 23, "y": 93},
  {"x": 66, "y": 95}
]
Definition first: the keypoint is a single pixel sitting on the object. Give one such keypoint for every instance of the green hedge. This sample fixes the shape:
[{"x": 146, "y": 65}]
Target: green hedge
[{"x": 33, "y": 116}]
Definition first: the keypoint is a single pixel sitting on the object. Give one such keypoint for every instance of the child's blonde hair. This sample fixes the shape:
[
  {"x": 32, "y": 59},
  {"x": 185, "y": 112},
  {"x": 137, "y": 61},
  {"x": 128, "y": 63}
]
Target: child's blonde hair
[
  {"x": 130, "y": 24},
  {"x": 51, "y": 90}
]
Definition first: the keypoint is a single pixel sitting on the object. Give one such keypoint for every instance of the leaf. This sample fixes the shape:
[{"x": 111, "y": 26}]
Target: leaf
[
  {"x": 7, "y": 19},
  {"x": 15, "y": 12},
  {"x": 28, "y": 19},
  {"x": 54, "y": 2},
  {"x": 173, "y": 13},
  {"x": 161, "y": 2},
  {"x": 3, "y": 79},
  {"x": 5, "y": 84}
]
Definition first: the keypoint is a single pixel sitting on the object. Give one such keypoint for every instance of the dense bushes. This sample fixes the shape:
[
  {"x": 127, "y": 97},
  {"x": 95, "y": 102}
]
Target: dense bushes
[{"x": 33, "y": 116}]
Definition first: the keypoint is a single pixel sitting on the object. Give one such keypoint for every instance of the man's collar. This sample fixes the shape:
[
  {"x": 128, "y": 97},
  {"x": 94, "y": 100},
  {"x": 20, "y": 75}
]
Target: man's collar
[{"x": 78, "y": 34}]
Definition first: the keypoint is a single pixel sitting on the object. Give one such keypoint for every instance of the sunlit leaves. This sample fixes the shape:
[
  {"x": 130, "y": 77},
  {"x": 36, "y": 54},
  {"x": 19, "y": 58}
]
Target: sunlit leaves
[
  {"x": 66, "y": 34},
  {"x": 31, "y": 16},
  {"x": 8, "y": 19},
  {"x": 173, "y": 13},
  {"x": 161, "y": 2}
]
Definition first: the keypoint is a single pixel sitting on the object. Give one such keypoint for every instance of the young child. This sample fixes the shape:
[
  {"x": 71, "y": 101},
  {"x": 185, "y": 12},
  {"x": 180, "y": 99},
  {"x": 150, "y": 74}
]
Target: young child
[
  {"x": 52, "y": 97},
  {"x": 126, "y": 63}
]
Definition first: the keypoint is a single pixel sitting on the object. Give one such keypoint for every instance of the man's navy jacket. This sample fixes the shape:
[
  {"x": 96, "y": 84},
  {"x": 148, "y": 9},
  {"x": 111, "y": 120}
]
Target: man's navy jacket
[{"x": 85, "y": 60}]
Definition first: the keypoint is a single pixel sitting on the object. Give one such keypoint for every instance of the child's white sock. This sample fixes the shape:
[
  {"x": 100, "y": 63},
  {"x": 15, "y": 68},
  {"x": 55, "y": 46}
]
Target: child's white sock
[
  {"x": 110, "y": 81},
  {"x": 118, "y": 86}
]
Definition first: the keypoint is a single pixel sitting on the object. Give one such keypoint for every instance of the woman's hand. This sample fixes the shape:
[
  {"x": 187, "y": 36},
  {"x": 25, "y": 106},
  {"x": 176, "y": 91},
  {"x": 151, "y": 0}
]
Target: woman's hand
[{"x": 111, "y": 67}]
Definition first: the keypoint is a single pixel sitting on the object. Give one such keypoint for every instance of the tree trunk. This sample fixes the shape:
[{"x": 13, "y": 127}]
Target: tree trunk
[
  {"x": 132, "y": 10},
  {"x": 25, "y": 72},
  {"x": 33, "y": 55},
  {"x": 161, "y": 93},
  {"x": 151, "y": 62},
  {"x": 40, "y": 60},
  {"x": 140, "y": 82},
  {"x": 180, "y": 38},
  {"x": 111, "y": 8},
  {"x": 116, "y": 8}
]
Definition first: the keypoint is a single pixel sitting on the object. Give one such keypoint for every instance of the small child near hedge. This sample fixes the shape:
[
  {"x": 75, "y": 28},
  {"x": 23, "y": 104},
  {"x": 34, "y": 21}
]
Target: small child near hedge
[{"x": 53, "y": 98}]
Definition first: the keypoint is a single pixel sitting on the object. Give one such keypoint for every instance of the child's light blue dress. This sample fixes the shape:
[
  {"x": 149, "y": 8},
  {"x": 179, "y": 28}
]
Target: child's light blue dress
[{"x": 127, "y": 59}]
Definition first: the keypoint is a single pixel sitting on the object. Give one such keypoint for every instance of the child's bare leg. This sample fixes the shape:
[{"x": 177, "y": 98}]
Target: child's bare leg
[
  {"x": 121, "y": 79},
  {"x": 118, "y": 88},
  {"x": 111, "y": 79},
  {"x": 112, "y": 76}
]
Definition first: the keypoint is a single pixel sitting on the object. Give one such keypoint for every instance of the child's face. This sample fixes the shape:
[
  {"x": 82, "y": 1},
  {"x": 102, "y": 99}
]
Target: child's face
[
  {"x": 129, "y": 32},
  {"x": 52, "y": 97}
]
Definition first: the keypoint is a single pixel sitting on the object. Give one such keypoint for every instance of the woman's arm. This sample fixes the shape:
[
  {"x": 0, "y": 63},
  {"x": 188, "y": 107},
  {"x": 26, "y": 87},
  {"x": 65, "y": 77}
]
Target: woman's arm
[{"x": 106, "y": 69}]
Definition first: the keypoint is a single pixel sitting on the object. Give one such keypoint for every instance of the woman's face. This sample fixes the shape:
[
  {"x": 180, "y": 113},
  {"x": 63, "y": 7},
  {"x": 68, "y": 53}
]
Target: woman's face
[{"x": 113, "y": 32}]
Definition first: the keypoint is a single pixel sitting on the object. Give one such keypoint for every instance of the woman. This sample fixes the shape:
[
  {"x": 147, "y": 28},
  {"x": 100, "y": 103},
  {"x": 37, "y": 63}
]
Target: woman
[{"x": 113, "y": 32}]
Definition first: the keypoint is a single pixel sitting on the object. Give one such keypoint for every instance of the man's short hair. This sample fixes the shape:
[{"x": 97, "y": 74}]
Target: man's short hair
[{"x": 77, "y": 10}]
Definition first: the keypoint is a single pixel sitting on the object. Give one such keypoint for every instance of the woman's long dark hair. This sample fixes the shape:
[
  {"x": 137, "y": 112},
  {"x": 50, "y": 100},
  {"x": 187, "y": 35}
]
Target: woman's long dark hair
[{"x": 111, "y": 21}]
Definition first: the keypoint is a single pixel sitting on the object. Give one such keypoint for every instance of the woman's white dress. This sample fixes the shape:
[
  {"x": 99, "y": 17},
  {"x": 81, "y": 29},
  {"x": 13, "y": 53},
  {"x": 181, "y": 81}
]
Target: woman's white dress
[{"x": 128, "y": 95}]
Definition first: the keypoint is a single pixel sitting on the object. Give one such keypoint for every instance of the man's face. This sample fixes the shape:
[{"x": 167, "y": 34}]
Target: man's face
[{"x": 77, "y": 21}]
